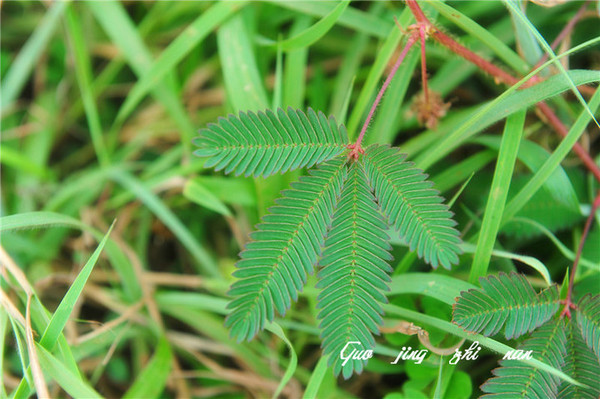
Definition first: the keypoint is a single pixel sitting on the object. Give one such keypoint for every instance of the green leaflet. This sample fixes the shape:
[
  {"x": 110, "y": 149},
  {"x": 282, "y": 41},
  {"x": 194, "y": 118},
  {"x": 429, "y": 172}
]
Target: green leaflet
[
  {"x": 348, "y": 201},
  {"x": 265, "y": 143},
  {"x": 582, "y": 364},
  {"x": 588, "y": 319},
  {"x": 354, "y": 272},
  {"x": 504, "y": 299},
  {"x": 412, "y": 206},
  {"x": 518, "y": 380},
  {"x": 275, "y": 264}
]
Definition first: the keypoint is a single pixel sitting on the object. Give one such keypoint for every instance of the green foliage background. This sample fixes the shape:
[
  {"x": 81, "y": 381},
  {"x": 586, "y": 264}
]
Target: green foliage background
[{"x": 99, "y": 105}]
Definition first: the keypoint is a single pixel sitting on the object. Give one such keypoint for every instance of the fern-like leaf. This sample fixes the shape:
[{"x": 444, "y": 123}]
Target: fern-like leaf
[
  {"x": 275, "y": 265},
  {"x": 264, "y": 143},
  {"x": 515, "y": 379},
  {"x": 504, "y": 299},
  {"x": 355, "y": 271},
  {"x": 582, "y": 365},
  {"x": 411, "y": 206},
  {"x": 373, "y": 191},
  {"x": 588, "y": 319}
]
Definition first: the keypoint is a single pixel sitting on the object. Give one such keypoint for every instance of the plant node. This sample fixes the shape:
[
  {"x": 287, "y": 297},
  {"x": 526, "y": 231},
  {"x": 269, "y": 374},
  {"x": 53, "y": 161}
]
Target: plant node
[
  {"x": 357, "y": 150},
  {"x": 568, "y": 306}
]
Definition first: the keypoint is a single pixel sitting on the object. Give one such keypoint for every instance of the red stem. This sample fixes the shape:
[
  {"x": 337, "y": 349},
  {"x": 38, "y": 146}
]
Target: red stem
[
  {"x": 588, "y": 224},
  {"x": 501, "y": 76},
  {"x": 563, "y": 131},
  {"x": 356, "y": 147}
]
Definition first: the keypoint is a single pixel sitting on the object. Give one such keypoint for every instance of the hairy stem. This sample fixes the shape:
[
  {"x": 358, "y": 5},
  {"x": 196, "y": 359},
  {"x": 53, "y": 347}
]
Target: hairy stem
[
  {"x": 356, "y": 147},
  {"x": 502, "y": 77},
  {"x": 588, "y": 224}
]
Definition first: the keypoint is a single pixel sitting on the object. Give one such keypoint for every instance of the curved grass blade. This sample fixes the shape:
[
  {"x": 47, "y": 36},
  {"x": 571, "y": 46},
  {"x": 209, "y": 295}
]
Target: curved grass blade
[
  {"x": 291, "y": 369},
  {"x": 176, "y": 51},
  {"x": 63, "y": 311},
  {"x": 316, "y": 31}
]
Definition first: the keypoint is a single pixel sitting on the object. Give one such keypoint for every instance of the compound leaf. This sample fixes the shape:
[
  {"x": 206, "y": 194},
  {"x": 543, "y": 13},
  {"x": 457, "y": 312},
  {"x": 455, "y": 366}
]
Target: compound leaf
[
  {"x": 515, "y": 379},
  {"x": 275, "y": 264},
  {"x": 582, "y": 365},
  {"x": 264, "y": 143},
  {"x": 504, "y": 299},
  {"x": 588, "y": 319},
  {"x": 411, "y": 206},
  {"x": 354, "y": 272},
  {"x": 343, "y": 209}
]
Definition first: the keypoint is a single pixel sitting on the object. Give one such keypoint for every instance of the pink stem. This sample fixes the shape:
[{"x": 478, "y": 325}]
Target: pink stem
[
  {"x": 568, "y": 302},
  {"x": 409, "y": 43}
]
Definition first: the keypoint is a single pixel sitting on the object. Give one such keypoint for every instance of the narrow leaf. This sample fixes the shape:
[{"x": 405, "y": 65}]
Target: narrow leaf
[
  {"x": 315, "y": 32},
  {"x": 152, "y": 379},
  {"x": 61, "y": 314}
]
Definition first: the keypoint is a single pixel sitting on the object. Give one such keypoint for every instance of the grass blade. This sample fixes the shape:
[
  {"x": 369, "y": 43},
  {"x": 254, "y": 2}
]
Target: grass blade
[
  {"x": 514, "y": 8},
  {"x": 196, "y": 192},
  {"x": 504, "y": 105},
  {"x": 72, "y": 384},
  {"x": 351, "y": 18},
  {"x": 120, "y": 28},
  {"x": 291, "y": 369},
  {"x": 15, "y": 78},
  {"x": 62, "y": 313},
  {"x": 177, "y": 50},
  {"x": 507, "y": 156},
  {"x": 534, "y": 156},
  {"x": 486, "y": 342},
  {"x": 83, "y": 71},
  {"x": 152, "y": 379},
  {"x": 243, "y": 82},
  {"x": 130, "y": 183},
  {"x": 546, "y": 170},
  {"x": 316, "y": 378},
  {"x": 501, "y": 50},
  {"x": 528, "y": 260},
  {"x": 119, "y": 261},
  {"x": 316, "y": 31}
]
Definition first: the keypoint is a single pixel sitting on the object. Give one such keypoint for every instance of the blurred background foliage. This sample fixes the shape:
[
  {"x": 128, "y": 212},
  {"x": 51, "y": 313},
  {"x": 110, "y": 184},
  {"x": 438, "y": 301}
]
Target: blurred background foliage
[{"x": 100, "y": 101}]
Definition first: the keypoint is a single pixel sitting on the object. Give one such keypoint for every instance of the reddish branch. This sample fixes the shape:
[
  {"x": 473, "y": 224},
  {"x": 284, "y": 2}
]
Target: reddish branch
[
  {"x": 503, "y": 77},
  {"x": 357, "y": 147},
  {"x": 588, "y": 224}
]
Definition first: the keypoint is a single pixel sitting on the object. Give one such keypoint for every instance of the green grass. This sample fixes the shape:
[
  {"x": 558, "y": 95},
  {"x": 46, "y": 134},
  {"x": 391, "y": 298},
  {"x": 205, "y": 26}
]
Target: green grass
[{"x": 117, "y": 246}]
